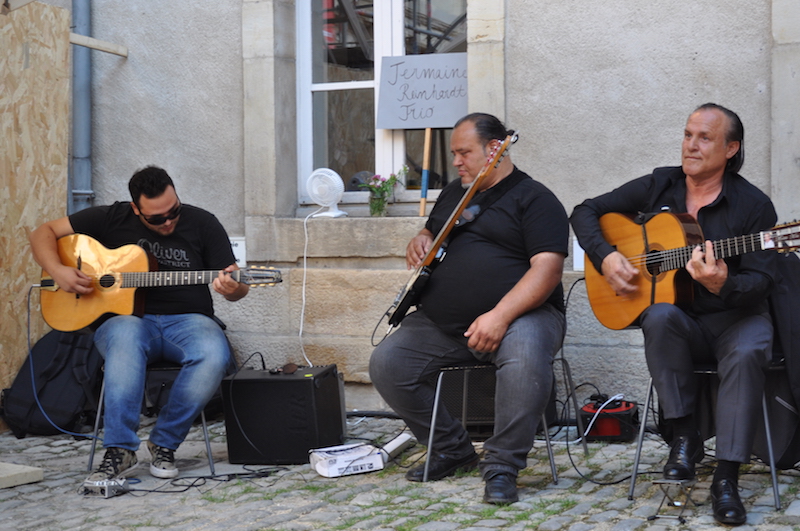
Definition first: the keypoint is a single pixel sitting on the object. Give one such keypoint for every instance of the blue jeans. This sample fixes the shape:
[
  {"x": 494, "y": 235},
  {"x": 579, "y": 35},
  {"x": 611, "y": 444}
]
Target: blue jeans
[
  {"x": 129, "y": 344},
  {"x": 404, "y": 367}
]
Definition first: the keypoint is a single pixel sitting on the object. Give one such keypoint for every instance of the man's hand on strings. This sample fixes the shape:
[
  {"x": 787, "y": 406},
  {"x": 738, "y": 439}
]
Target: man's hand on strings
[
  {"x": 418, "y": 247},
  {"x": 620, "y": 274},
  {"x": 706, "y": 269},
  {"x": 72, "y": 280}
]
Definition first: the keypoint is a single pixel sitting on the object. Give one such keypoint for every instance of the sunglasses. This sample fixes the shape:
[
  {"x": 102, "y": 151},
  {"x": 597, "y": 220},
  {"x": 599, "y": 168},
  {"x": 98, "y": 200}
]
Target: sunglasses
[{"x": 163, "y": 218}]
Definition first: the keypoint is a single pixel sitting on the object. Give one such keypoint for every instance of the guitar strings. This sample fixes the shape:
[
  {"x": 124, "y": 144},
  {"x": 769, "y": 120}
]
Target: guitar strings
[{"x": 677, "y": 258}]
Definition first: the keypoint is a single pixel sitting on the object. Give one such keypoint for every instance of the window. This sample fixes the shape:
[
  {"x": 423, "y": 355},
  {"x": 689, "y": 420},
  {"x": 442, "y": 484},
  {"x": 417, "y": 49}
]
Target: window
[{"x": 339, "y": 46}]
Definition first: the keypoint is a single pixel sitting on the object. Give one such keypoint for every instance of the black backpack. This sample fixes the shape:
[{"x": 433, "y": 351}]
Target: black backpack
[{"x": 67, "y": 370}]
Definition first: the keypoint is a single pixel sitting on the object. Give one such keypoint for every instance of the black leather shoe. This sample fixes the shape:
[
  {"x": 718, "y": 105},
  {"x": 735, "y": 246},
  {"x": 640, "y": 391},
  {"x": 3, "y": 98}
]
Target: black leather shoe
[
  {"x": 727, "y": 505},
  {"x": 442, "y": 466},
  {"x": 501, "y": 489},
  {"x": 684, "y": 452}
]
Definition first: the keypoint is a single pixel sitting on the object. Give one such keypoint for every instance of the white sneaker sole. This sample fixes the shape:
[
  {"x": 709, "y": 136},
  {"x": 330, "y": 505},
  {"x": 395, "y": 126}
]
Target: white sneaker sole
[{"x": 162, "y": 473}]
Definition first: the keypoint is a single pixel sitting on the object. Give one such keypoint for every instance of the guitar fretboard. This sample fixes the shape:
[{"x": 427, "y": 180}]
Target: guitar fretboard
[
  {"x": 677, "y": 258},
  {"x": 155, "y": 279}
]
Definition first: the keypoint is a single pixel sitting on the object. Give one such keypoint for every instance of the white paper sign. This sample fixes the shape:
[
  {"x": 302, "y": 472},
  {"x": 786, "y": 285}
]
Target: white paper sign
[{"x": 419, "y": 91}]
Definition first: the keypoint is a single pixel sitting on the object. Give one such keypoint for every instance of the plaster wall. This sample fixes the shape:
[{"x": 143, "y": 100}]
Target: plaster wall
[
  {"x": 786, "y": 108},
  {"x": 176, "y": 101},
  {"x": 601, "y": 91}
]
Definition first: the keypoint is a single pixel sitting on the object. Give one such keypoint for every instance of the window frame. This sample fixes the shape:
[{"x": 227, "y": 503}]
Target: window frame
[{"x": 390, "y": 145}]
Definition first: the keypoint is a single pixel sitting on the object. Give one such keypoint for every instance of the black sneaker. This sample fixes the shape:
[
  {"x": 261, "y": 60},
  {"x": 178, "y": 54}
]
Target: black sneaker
[
  {"x": 163, "y": 463},
  {"x": 116, "y": 463}
]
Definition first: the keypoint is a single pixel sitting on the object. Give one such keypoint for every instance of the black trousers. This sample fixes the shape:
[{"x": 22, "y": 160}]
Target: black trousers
[{"x": 740, "y": 346}]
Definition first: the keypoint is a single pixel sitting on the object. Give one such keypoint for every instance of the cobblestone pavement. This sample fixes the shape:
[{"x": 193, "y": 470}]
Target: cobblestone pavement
[{"x": 297, "y": 498}]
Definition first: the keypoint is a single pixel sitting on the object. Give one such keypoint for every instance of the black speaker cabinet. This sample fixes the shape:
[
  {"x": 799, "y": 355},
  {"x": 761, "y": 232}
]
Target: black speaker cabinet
[
  {"x": 275, "y": 419},
  {"x": 479, "y": 404}
]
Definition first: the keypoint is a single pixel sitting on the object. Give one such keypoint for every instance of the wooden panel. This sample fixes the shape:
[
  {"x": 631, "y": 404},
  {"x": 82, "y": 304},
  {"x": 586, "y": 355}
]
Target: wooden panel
[{"x": 34, "y": 136}]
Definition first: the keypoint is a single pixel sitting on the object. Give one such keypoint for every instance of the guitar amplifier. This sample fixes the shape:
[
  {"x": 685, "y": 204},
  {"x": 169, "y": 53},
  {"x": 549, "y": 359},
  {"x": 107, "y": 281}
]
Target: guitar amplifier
[
  {"x": 276, "y": 419},
  {"x": 475, "y": 408}
]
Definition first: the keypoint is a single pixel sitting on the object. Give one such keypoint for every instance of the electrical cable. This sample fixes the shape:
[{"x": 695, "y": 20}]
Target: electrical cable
[
  {"x": 586, "y": 431},
  {"x": 303, "y": 288}
]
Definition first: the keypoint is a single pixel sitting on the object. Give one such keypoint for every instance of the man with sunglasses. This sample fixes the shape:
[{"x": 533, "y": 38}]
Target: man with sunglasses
[{"x": 178, "y": 324}]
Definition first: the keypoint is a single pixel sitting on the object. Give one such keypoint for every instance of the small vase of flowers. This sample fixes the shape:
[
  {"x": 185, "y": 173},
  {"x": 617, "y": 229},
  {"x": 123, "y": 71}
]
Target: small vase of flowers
[{"x": 381, "y": 190}]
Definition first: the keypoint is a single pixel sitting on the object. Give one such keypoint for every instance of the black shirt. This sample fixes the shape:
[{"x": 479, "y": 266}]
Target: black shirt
[
  {"x": 199, "y": 242},
  {"x": 488, "y": 256},
  {"x": 740, "y": 209}
]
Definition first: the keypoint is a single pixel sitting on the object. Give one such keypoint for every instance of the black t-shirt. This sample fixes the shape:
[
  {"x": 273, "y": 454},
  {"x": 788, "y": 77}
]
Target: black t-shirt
[
  {"x": 488, "y": 256},
  {"x": 199, "y": 242}
]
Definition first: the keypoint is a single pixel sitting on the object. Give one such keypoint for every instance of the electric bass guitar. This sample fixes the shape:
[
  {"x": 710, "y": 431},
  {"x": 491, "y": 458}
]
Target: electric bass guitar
[
  {"x": 409, "y": 295},
  {"x": 116, "y": 273},
  {"x": 660, "y": 248}
]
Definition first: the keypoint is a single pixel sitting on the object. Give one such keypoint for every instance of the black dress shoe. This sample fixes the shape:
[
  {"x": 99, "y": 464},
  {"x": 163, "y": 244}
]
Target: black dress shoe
[
  {"x": 684, "y": 452},
  {"x": 725, "y": 501},
  {"x": 442, "y": 466},
  {"x": 501, "y": 489}
]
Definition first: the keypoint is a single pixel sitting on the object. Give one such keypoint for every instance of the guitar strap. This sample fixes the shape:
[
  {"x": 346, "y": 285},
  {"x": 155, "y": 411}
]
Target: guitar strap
[{"x": 483, "y": 200}]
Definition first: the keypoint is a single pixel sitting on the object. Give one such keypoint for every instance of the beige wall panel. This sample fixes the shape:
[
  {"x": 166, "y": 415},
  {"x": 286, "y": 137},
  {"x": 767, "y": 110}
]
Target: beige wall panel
[{"x": 34, "y": 135}]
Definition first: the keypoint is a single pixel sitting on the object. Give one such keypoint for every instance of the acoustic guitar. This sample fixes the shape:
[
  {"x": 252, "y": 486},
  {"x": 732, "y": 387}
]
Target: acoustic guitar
[
  {"x": 410, "y": 293},
  {"x": 116, "y": 274},
  {"x": 660, "y": 248}
]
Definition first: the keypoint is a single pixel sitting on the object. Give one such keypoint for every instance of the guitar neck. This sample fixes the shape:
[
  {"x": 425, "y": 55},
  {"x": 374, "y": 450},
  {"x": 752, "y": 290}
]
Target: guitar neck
[
  {"x": 726, "y": 248},
  {"x": 155, "y": 279},
  {"x": 494, "y": 160}
]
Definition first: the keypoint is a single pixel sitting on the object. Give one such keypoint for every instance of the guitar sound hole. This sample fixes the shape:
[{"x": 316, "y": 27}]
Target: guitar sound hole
[
  {"x": 106, "y": 281},
  {"x": 653, "y": 264}
]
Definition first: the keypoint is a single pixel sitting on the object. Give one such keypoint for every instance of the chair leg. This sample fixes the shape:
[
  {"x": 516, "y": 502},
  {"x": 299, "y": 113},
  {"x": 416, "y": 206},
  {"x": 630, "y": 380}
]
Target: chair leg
[
  {"x": 570, "y": 385},
  {"x": 97, "y": 425},
  {"x": 464, "y": 397},
  {"x": 640, "y": 441},
  {"x": 208, "y": 442},
  {"x": 550, "y": 454},
  {"x": 772, "y": 470},
  {"x": 436, "y": 396}
]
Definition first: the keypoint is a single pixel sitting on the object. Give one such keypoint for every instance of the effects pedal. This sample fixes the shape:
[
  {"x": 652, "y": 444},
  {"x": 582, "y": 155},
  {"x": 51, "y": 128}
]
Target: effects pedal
[{"x": 107, "y": 488}]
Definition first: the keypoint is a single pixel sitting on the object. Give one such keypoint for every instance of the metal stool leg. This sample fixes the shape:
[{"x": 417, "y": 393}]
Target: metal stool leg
[
  {"x": 569, "y": 384},
  {"x": 97, "y": 425},
  {"x": 640, "y": 441},
  {"x": 436, "y": 396},
  {"x": 208, "y": 442},
  {"x": 550, "y": 454},
  {"x": 772, "y": 469}
]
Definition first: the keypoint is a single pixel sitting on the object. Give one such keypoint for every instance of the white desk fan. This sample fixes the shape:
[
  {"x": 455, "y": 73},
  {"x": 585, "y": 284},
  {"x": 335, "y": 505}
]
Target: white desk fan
[{"x": 326, "y": 188}]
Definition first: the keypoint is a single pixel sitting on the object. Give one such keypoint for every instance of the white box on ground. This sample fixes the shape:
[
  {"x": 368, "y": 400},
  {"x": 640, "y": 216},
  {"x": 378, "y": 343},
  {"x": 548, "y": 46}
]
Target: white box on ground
[
  {"x": 356, "y": 458},
  {"x": 346, "y": 459}
]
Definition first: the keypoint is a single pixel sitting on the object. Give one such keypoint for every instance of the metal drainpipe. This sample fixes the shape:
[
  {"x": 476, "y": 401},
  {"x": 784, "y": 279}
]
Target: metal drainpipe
[{"x": 81, "y": 195}]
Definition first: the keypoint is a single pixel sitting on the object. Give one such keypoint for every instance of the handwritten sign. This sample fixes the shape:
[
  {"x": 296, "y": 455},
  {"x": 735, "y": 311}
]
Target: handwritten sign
[{"x": 420, "y": 91}]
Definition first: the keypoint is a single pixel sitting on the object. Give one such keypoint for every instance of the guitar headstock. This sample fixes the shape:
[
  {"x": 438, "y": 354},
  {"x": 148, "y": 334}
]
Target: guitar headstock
[
  {"x": 783, "y": 238},
  {"x": 499, "y": 153},
  {"x": 260, "y": 276}
]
